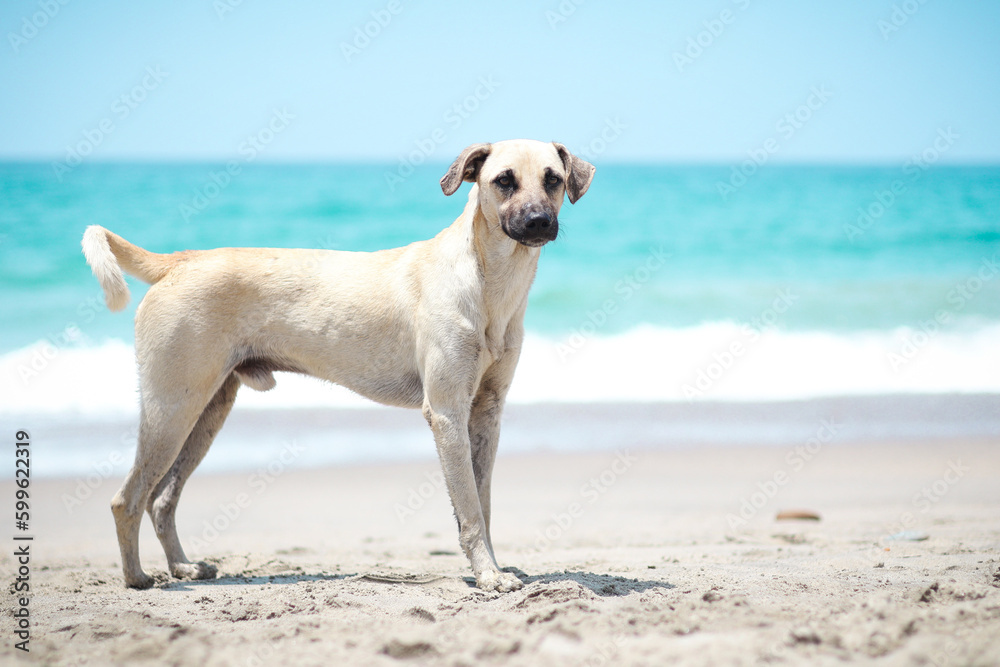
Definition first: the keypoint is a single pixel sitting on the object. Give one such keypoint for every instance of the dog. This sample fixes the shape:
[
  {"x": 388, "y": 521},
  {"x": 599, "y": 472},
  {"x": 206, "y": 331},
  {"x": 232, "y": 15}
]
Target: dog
[{"x": 435, "y": 325}]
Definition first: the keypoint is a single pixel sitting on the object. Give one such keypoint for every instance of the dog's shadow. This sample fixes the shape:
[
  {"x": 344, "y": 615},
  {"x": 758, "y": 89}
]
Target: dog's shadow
[
  {"x": 602, "y": 585},
  {"x": 164, "y": 582}
]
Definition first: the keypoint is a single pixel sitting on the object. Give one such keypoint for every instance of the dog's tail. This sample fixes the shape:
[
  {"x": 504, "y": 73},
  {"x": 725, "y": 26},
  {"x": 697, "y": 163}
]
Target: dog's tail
[{"x": 109, "y": 254}]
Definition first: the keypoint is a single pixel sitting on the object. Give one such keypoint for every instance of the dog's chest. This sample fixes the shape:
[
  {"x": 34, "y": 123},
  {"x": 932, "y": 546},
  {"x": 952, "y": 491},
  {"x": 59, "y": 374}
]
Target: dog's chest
[{"x": 505, "y": 303}]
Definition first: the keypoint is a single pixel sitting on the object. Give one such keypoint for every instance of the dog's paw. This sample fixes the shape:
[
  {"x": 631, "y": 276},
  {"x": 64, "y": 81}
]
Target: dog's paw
[
  {"x": 199, "y": 570},
  {"x": 503, "y": 582},
  {"x": 142, "y": 581}
]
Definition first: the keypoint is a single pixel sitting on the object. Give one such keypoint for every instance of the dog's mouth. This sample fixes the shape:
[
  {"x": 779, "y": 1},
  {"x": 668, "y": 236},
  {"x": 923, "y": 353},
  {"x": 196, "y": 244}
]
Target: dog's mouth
[
  {"x": 536, "y": 243},
  {"x": 534, "y": 231}
]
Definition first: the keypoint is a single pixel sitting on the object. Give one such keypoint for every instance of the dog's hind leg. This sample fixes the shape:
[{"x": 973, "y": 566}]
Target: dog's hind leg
[
  {"x": 166, "y": 420},
  {"x": 162, "y": 504}
]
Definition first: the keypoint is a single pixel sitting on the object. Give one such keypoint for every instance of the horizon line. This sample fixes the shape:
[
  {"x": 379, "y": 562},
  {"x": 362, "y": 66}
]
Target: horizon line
[{"x": 378, "y": 162}]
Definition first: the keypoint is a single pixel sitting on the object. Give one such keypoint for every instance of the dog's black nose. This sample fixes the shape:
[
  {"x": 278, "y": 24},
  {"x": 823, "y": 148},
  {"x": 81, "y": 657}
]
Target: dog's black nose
[
  {"x": 536, "y": 222},
  {"x": 533, "y": 227}
]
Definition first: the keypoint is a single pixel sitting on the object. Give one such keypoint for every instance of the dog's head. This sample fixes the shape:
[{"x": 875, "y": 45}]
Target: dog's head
[{"x": 521, "y": 185}]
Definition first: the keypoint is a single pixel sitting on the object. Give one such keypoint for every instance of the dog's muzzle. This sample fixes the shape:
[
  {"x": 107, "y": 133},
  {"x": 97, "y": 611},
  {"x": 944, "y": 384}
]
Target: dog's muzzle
[{"x": 533, "y": 229}]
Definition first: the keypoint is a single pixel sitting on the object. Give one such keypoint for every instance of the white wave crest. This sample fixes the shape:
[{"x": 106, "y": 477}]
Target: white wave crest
[{"x": 715, "y": 361}]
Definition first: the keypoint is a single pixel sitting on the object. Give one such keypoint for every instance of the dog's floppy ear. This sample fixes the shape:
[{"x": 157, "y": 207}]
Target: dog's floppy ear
[
  {"x": 579, "y": 173},
  {"x": 465, "y": 167}
]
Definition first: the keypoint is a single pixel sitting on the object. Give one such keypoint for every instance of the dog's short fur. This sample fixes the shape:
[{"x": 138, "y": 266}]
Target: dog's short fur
[{"x": 435, "y": 325}]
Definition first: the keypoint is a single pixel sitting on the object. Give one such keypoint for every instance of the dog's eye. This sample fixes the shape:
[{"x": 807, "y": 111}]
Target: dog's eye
[
  {"x": 505, "y": 181},
  {"x": 552, "y": 180}
]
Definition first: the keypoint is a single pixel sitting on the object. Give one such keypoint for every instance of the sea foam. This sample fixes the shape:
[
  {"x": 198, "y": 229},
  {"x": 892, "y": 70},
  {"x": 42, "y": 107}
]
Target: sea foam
[{"x": 719, "y": 361}]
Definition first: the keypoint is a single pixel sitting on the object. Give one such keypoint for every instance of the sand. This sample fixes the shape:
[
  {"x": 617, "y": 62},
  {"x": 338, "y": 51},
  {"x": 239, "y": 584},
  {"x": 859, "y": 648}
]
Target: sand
[{"x": 629, "y": 557}]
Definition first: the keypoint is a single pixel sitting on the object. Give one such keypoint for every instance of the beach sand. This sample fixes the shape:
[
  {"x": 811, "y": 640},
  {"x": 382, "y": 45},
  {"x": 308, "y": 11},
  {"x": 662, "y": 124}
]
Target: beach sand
[{"x": 629, "y": 556}]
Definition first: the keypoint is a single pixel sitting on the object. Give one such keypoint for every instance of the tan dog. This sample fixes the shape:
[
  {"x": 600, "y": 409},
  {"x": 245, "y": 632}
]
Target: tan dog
[{"x": 435, "y": 325}]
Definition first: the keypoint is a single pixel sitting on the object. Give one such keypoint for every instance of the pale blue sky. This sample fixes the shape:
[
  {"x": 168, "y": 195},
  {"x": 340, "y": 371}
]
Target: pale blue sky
[{"x": 608, "y": 67}]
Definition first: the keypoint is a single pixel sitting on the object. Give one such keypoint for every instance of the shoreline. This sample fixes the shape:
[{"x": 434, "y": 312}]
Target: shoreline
[{"x": 346, "y": 436}]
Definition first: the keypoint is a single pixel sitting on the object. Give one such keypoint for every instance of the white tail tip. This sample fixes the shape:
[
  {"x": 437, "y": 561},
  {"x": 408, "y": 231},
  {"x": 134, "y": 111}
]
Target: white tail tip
[{"x": 105, "y": 266}]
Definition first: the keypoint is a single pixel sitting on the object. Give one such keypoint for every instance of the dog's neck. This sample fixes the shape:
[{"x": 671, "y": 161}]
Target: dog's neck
[
  {"x": 499, "y": 255},
  {"x": 508, "y": 267}
]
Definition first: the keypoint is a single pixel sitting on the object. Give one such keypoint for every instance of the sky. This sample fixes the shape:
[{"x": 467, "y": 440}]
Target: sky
[{"x": 855, "y": 81}]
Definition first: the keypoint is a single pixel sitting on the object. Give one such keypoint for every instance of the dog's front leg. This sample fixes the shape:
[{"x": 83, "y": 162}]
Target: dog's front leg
[
  {"x": 449, "y": 420},
  {"x": 484, "y": 428}
]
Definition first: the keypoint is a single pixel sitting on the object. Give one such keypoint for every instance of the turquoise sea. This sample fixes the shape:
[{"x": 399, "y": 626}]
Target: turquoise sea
[{"x": 663, "y": 285}]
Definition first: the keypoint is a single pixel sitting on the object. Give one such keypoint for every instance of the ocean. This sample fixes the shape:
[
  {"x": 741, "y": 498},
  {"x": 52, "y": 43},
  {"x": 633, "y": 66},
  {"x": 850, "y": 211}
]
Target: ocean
[{"x": 668, "y": 283}]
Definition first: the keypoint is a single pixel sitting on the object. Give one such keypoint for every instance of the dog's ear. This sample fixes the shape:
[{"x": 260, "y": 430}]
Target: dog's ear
[
  {"x": 465, "y": 167},
  {"x": 579, "y": 173}
]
